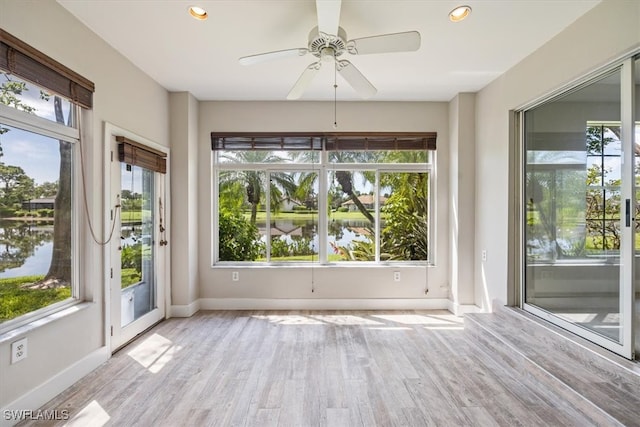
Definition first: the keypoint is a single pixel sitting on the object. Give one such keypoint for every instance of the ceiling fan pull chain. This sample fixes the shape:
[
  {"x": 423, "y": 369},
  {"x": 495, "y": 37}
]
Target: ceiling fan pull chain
[{"x": 335, "y": 91}]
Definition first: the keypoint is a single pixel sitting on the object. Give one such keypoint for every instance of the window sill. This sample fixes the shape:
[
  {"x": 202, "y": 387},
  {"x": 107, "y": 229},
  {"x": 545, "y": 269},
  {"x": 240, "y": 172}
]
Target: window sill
[
  {"x": 343, "y": 264},
  {"x": 21, "y": 330}
]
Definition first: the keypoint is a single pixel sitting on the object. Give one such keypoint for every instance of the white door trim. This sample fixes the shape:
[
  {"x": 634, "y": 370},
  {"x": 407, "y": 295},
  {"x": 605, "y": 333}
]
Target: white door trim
[{"x": 163, "y": 255}]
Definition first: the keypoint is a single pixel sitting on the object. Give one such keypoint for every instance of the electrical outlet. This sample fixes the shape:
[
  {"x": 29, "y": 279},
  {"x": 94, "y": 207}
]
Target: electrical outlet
[
  {"x": 484, "y": 255},
  {"x": 235, "y": 276},
  {"x": 396, "y": 276},
  {"x": 18, "y": 350}
]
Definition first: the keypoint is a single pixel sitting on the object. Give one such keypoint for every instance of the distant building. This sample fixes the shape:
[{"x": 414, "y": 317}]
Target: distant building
[
  {"x": 367, "y": 201},
  {"x": 42, "y": 203}
]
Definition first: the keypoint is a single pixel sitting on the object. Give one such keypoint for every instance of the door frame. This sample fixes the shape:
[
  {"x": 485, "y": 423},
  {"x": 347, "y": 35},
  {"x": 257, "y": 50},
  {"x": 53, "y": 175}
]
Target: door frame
[
  {"x": 162, "y": 261},
  {"x": 626, "y": 347}
]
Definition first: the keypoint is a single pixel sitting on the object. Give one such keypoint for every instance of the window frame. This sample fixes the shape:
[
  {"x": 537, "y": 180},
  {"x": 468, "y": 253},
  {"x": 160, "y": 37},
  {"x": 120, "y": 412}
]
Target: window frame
[
  {"x": 323, "y": 168},
  {"x": 30, "y": 123}
]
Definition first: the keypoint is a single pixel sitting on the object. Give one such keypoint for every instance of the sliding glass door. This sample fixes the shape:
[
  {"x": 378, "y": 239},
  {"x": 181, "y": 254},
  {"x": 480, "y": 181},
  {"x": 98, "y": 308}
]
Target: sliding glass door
[{"x": 579, "y": 223}]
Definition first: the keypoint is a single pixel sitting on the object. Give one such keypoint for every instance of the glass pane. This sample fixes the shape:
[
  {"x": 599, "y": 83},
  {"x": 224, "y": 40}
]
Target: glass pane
[
  {"x": 35, "y": 221},
  {"x": 572, "y": 194},
  {"x": 137, "y": 242},
  {"x": 241, "y": 216},
  {"x": 262, "y": 157},
  {"x": 294, "y": 216},
  {"x": 351, "y": 216},
  {"x": 408, "y": 156},
  {"x": 25, "y": 96},
  {"x": 404, "y": 216}
]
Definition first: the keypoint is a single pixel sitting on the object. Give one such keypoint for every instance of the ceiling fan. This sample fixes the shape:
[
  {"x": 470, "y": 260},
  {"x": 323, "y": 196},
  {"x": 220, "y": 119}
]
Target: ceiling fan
[{"x": 328, "y": 42}]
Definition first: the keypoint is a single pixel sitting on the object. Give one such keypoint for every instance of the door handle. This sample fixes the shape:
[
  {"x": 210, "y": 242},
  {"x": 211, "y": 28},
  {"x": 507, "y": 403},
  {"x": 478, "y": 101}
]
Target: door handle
[{"x": 627, "y": 213}]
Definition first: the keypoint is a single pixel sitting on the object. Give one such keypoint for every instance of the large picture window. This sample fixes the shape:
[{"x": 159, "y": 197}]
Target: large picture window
[
  {"x": 39, "y": 135},
  {"x": 283, "y": 200},
  {"x": 36, "y": 197}
]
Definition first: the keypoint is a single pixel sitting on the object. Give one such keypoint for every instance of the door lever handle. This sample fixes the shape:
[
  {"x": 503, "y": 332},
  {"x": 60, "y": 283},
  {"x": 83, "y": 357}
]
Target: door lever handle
[{"x": 627, "y": 213}]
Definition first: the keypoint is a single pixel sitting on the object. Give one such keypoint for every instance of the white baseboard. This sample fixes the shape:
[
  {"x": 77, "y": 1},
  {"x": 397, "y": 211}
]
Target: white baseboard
[
  {"x": 324, "y": 304},
  {"x": 462, "y": 309},
  {"x": 185, "y": 310},
  {"x": 40, "y": 395}
]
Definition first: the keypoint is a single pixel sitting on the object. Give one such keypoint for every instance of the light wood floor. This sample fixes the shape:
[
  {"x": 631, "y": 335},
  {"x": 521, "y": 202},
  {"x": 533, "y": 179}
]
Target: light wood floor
[{"x": 324, "y": 368}]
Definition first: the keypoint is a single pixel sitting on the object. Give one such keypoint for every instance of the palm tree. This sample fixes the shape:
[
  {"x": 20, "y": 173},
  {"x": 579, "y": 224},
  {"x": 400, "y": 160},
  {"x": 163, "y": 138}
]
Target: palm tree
[
  {"x": 307, "y": 180},
  {"x": 254, "y": 181}
]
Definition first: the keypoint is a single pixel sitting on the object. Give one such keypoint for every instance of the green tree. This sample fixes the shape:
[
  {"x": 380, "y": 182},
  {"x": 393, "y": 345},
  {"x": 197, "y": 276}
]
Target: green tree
[
  {"x": 345, "y": 179},
  {"x": 46, "y": 189},
  {"x": 281, "y": 183},
  {"x": 15, "y": 186},
  {"x": 405, "y": 235}
]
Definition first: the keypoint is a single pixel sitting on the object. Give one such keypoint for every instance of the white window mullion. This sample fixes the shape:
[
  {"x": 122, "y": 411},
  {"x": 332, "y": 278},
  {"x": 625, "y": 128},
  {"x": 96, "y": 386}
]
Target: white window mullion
[
  {"x": 215, "y": 209},
  {"x": 267, "y": 208},
  {"x": 323, "y": 208},
  {"x": 376, "y": 201}
]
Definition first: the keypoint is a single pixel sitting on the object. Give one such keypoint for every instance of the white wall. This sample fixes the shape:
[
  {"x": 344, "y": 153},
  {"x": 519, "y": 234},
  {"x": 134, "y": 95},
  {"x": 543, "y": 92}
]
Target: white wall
[
  {"x": 184, "y": 201},
  {"x": 462, "y": 199},
  {"x": 125, "y": 97},
  {"x": 605, "y": 32},
  {"x": 328, "y": 283}
]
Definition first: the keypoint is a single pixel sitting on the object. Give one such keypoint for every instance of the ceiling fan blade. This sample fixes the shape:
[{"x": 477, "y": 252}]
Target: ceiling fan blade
[
  {"x": 270, "y": 56},
  {"x": 385, "y": 43},
  {"x": 304, "y": 81},
  {"x": 356, "y": 79},
  {"x": 328, "y": 16}
]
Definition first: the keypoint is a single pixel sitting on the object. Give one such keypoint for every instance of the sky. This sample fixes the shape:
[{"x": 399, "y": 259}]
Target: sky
[{"x": 37, "y": 155}]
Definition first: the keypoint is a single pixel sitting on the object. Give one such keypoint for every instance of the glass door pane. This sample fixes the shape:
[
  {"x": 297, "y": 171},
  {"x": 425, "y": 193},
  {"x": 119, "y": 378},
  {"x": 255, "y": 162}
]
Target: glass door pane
[
  {"x": 574, "y": 209},
  {"x": 137, "y": 254}
]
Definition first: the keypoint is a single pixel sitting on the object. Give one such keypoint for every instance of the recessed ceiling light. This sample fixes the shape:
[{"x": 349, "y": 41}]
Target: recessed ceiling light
[
  {"x": 198, "y": 13},
  {"x": 459, "y": 13}
]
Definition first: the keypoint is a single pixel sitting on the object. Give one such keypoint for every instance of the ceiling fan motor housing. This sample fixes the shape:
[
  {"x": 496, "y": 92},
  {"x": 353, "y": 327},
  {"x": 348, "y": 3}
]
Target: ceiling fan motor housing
[{"x": 323, "y": 45}]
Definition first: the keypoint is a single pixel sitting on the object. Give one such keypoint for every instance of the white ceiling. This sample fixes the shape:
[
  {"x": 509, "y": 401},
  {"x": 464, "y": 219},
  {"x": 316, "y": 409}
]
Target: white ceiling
[{"x": 201, "y": 57}]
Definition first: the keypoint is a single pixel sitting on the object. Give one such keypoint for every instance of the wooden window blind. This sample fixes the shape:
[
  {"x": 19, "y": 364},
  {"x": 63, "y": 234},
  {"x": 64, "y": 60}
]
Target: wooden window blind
[
  {"x": 134, "y": 153},
  {"x": 344, "y": 141},
  {"x": 243, "y": 141},
  {"x": 28, "y": 63}
]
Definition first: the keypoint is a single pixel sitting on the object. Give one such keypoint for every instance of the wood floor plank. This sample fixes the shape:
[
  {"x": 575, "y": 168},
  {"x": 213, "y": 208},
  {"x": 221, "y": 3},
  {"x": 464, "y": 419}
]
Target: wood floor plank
[{"x": 315, "y": 368}]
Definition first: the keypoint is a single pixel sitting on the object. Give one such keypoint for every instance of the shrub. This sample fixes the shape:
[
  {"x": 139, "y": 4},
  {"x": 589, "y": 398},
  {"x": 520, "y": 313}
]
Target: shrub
[
  {"x": 343, "y": 209},
  {"x": 238, "y": 238},
  {"x": 45, "y": 213},
  {"x": 7, "y": 212},
  {"x": 132, "y": 257},
  {"x": 299, "y": 246}
]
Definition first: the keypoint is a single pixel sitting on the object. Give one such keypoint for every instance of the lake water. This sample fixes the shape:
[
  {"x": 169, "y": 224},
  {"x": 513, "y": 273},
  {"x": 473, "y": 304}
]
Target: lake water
[
  {"x": 340, "y": 233},
  {"x": 26, "y": 249},
  {"x": 36, "y": 264}
]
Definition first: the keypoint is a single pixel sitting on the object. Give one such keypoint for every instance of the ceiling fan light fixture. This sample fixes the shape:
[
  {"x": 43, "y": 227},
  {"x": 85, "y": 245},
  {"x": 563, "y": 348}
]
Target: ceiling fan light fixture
[
  {"x": 198, "y": 13},
  {"x": 459, "y": 13}
]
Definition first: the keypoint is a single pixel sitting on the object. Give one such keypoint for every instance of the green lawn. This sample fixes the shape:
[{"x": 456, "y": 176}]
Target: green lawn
[
  {"x": 331, "y": 258},
  {"x": 129, "y": 276},
  {"x": 133, "y": 216},
  {"x": 15, "y": 301}
]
